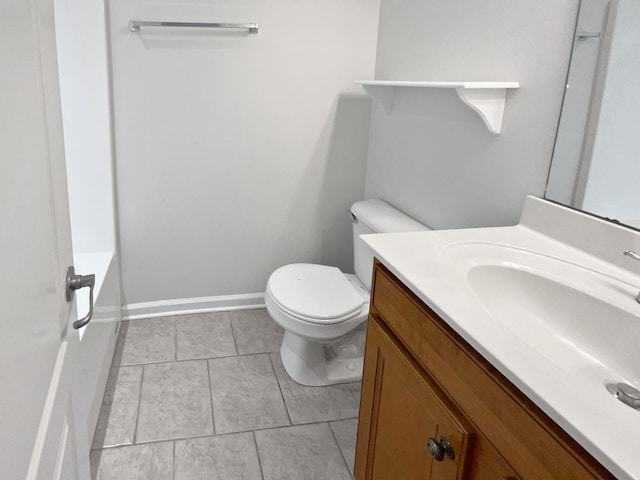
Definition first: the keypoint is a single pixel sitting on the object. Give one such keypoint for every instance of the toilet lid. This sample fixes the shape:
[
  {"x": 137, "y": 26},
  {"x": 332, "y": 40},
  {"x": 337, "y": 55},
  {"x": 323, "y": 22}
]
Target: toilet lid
[{"x": 315, "y": 293}]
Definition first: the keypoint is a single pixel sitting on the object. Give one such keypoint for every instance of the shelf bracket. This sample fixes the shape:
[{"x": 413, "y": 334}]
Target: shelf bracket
[
  {"x": 488, "y": 103},
  {"x": 383, "y": 95}
]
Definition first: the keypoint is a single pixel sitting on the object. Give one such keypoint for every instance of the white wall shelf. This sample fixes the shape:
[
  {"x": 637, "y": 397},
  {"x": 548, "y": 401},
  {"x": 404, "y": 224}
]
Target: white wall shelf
[{"x": 485, "y": 98}]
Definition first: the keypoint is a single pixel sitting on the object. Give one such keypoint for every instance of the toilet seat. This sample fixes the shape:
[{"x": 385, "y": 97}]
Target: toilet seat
[{"x": 316, "y": 294}]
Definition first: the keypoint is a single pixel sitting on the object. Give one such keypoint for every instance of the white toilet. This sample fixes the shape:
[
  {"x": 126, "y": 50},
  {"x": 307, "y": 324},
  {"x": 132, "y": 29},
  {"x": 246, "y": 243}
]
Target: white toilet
[{"x": 323, "y": 310}]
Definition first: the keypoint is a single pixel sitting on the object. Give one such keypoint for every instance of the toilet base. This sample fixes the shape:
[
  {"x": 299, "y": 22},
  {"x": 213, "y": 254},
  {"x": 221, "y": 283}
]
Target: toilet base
[{"x": 317, "y": 364}]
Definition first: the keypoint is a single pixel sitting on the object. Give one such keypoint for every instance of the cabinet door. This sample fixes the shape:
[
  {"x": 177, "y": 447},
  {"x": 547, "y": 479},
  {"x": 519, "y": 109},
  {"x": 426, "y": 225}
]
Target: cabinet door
[{"x": 400, "y": 411}]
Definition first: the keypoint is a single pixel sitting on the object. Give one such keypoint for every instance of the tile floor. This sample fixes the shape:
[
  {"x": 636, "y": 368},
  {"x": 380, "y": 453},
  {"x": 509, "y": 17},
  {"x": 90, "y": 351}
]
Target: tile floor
[{"x": 206, "y": 397}]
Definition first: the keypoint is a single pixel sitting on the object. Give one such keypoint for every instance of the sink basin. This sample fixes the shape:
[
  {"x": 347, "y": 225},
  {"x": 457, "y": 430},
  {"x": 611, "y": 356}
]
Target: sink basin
[
  {"x": 584, "y": 321},
  {"x": 544, "y": 311}
]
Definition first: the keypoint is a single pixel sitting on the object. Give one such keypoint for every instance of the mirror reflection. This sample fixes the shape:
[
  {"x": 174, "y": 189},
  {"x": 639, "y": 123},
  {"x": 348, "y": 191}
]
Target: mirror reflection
[{"x": 596, "y": 165}]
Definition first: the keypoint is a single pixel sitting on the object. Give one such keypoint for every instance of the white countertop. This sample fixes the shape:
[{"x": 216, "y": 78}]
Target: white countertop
[{"x": 571, "y": 393}]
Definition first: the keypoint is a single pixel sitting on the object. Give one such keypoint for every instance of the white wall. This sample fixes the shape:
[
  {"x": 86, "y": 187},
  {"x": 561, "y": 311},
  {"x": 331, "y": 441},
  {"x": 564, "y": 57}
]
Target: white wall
[
  {"x": 613, "y": 167},
  {"x": 432, "y": 157},
  {"x": 81, "y": 35},
  {"x": 238, "y": 153}
]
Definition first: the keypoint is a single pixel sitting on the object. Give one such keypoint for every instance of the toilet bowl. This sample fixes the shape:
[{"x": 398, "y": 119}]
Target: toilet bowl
[{"x": 324, "y": 311}]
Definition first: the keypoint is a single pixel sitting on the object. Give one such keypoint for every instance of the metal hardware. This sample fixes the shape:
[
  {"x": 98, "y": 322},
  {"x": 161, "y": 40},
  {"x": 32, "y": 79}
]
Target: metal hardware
[
  {"x": 635, "y": 256},
  {"x": 435, "y": 449},
  {"x": 441, "y": 449},
  {"x": 134, "y": 25},
  {"x": 626, "y": 394},
  {"x": 448, "y": 448},
  {"x": 585, "y": 35},
  {"x": 76, "y": 282},
  {"x": 632, "y": 254}
]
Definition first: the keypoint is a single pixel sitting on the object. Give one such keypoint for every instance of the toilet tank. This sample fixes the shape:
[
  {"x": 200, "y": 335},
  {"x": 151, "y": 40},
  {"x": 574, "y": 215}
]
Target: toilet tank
[{"x": 376, "y": 216}]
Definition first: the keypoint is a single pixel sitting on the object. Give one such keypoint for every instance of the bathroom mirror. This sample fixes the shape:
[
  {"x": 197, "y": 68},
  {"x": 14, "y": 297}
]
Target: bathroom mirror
[{"x": 596, "y": 159}]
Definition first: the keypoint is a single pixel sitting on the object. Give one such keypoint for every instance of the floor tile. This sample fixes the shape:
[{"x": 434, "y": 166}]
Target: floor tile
[
  {"x": 119, "y": 410},
  {"x": 146, "y": 341},
  {"x": 136, "y": 462},
  {"x": 223, "y": 457},
  {"x": 302, "y": 452},
  {"x": 314, "y": 404},
  {"x": 175, "y": 401},
  {"x": 245, "y": 394},
  {"x": 346, "y": 432},
  {"x": 255, "y": 331},
  {"x": 356, "y": 388},
  {"x": 204, "y": 336}
]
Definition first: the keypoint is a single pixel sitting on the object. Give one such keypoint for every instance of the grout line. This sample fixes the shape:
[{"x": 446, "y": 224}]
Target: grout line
[
  {"x": 354, "y": 393},
  {"x": 255, "y": 442},
  {"x": 335, "y": 438},
  {"x": 110, "y": 389},
  {"x": 230, "y": 356},
  {"x": 213, "y": 420},
  {"x": 175, "y": 342},
  {"x": 202, "y": 358},
  {"x": 233, "y": 335},
  {"x": 165, "y": 440},
  {"x": 135, "y": 428},
  {"x": 174, "y": 460},
  {"x": 118, "y": 349},
  {"x": 286, "y": 407},
  {"x": 105, "y": 447},
  {"x": 226, "y": 433}
]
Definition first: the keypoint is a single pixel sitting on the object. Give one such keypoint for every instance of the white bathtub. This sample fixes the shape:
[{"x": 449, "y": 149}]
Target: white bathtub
[{"x": 98, "y": 337}]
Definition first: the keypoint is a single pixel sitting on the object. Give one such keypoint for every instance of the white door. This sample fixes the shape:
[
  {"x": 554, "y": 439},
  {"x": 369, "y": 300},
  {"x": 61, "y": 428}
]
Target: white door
[{"x": 37, "y": 343}]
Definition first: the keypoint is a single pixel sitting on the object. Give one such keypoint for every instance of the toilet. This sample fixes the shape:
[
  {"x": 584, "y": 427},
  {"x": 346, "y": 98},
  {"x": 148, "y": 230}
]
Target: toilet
[{"x": 323, "y": 310}]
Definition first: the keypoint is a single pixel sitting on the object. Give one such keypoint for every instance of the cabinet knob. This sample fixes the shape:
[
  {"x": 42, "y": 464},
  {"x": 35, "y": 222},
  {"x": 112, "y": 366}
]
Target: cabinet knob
[
  {"x": 435, "y": 449},
  {"x": 440, "y": 449}
]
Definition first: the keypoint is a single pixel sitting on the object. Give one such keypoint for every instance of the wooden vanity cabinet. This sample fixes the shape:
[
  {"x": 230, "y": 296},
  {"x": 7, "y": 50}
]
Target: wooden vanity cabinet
[{"x": 422, "y": 381}]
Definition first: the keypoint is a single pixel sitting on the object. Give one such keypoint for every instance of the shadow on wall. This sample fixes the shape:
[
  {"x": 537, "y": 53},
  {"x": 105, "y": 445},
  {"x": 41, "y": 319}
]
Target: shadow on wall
[
  {"x": 333, "y": 180},
  {"x": 433, "y": 158},
  {"x": 191, "y": 39}
]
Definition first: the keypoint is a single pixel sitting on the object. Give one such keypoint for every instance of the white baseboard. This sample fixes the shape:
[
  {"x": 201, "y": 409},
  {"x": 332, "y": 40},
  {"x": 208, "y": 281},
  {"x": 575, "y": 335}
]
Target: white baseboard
[{"x": 184, "y": 306}]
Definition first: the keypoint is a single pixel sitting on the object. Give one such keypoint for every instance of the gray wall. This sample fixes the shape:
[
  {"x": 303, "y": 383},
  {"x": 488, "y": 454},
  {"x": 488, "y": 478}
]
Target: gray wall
[
  {"x": 238, "y": 153},
  {"x": 431, "y": 156}
]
